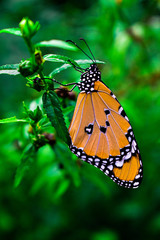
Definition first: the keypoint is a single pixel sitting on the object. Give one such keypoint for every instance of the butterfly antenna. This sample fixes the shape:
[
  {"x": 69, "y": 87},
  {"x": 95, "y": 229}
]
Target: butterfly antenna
[
  {"x": 88, "y": 48},
  {"x": 79, "y": 69},
  {"x": 80, "y": 49}
]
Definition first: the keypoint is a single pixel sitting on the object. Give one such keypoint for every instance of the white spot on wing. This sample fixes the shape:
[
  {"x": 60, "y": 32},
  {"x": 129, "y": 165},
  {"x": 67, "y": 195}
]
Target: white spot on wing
[
  {"x": 137, "y": 176},
  {"x": 135, "y": 184},
  {"x": 110, "y": 167},
  {"x": 119, "y": 163},
  {"x": 127, "y": 156},
  {"x": 102, "y": 167}
]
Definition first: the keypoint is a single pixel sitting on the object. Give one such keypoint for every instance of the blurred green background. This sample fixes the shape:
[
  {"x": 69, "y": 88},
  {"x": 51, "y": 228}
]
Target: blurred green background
[{"x": 78, "y": 201}]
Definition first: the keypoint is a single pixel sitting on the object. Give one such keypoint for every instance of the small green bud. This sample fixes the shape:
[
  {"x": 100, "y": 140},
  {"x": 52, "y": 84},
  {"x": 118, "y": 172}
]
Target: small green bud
[
  {"x": 28, "y": 28},
  {"x": 34, "y": 115},
  {"x": 39, "y": 141},
  {"x": 38, "y": 84},
  {"x": 27, "y": 68},
  {"x": 37, "y": 114},
  {"x": 35, "y": 83}
]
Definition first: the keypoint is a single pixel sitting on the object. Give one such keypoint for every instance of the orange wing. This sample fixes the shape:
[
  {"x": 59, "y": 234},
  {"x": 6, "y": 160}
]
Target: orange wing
[{"x": 102, "y": 136}]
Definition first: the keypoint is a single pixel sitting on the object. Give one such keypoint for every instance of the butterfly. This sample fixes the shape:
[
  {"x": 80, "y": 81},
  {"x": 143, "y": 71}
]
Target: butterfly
[{"x": 100, "y": 131}]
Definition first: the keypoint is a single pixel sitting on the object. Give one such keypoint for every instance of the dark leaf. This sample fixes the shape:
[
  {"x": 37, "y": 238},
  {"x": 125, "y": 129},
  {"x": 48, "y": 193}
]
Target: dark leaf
[{"x": 53, "y": 110}]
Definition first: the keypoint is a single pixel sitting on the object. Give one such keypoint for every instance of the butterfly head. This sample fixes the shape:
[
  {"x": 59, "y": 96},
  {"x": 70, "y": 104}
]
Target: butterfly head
[{"x": 88, "y": 78}]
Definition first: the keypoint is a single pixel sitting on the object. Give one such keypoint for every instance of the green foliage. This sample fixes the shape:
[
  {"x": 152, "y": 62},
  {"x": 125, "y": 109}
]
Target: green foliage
[
  {"x": 56, "y": 43},
  {"x": 14, "y": 31},
  {"x": 54, "y": 113},
  {"x": 12, "y": 119},
  {"x": 65, "y": 66},
  {"x": 10, "y": 69},
  {"x": 46, "y": 191},
  {"x": 27, "y": 159}
]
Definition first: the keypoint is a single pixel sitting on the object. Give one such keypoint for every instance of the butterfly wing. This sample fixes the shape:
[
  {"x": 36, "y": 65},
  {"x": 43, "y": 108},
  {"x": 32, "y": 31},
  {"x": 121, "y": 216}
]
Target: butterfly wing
[{"x": 102, "y": 136}]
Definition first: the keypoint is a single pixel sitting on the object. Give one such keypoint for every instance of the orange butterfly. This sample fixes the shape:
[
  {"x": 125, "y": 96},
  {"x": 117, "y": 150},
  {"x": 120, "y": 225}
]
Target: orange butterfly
[{"x": 101, "y": 133}]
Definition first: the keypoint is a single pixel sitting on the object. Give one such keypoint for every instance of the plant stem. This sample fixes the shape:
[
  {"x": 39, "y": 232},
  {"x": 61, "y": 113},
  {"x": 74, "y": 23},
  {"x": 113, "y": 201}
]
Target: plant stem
[{"x": 31, "y": 49}]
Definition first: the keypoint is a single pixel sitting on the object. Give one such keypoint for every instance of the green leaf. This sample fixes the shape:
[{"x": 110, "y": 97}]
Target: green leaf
[
  {"x": 58, "y": 58},
  {"x": 62, "y": 188},
  {"x": 66, "y": 65},
  {"x": 25, "y": 164},
  {"x": 29, "y": 112},
  {"x": 11, "y": 69},
  {"x": 37, "y": 114},
  {"x": 68, "y": 160},
  {"x": 53, "y": 110},
  {"x": 14, "y": 31},
  {"x": 56, "y": 43},
  {"x": 9, "y": 72},
  {"x": 13, "y": 120},
  {"x": 49, "y": 176},
  {"x": 54, "y": 58},
  {"x": 44, "y": 122},
  {"x": 68, "y": 110}
]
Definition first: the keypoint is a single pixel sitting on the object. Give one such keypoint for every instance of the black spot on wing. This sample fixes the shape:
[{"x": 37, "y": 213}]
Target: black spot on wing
[
  {"x": 122, "y": 113},
  {"x": 107, "y": 112},
  {"x": 89, "y": 129},
  {"x": 103, "y": 129},
  {"x": 111, "y": 93},
  {"x": 107, "y": 124}
]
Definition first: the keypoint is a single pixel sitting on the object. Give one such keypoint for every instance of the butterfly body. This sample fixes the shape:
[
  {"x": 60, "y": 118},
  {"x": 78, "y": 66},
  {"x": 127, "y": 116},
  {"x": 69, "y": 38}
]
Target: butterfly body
[
  {"x": 101, "y": 133},
  {"x": 88, "y": 78}
]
